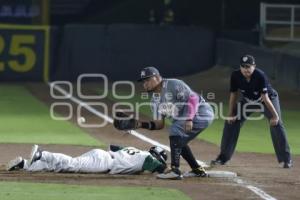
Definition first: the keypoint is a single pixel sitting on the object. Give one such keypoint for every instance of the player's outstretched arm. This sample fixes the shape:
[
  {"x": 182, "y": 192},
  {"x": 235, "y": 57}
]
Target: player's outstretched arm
[{"x": 153, "y": 165}]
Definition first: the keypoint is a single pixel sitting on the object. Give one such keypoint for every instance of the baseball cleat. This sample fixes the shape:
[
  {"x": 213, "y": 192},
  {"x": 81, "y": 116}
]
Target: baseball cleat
[
  {"x": 35, "y": 154},
  {"x": 15, "y": 164},
  {"x": 288, "y": 164},
  {"x": 172, "y": 175},
  {"x": 217, "y": 162},
  {"x": 199, "y": 172}
]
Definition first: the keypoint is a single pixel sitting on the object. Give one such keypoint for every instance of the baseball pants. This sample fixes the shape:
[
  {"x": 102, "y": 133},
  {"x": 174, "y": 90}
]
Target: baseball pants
[
  {"x": 278, "y": 133},
  {"x": 179, "y": 139},
  {"x": 96, "y": 160}
]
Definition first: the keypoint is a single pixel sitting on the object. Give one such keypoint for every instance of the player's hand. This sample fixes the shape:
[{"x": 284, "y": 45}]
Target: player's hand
[
  {"x": 188, "y": 126},
  {"x": 274, "y": 121},
  {"x": 167, "y": 169},
  {"x": 231, "y": 119}
]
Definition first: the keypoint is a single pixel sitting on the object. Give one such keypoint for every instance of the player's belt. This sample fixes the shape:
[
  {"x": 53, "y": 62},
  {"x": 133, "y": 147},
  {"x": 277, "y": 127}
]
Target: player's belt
[
  {"x": 259, "y": 100},
  {"x": 201, "y": 99}
]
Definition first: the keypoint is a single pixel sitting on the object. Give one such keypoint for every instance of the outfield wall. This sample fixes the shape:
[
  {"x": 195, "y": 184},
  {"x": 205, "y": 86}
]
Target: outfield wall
[
  {"x": 121, "y": 51},
  {"x": 283, "y": 68}
]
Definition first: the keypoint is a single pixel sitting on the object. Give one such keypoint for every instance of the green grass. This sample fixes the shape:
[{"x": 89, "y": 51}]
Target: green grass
[
  {"x": 254, "y": 136},
  {"x": 24, "y": 119},
  {"x": 35, "y": 191}
]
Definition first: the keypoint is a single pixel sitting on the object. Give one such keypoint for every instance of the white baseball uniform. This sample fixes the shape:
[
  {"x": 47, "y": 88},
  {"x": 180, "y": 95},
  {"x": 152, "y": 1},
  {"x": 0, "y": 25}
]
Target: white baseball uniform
[
  {"x": 128, "y": 160},
  {"x": 96, "y": 160}
]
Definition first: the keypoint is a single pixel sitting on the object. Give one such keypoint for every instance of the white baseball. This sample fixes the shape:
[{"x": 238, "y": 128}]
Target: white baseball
[{"x": 81, "y": 120}]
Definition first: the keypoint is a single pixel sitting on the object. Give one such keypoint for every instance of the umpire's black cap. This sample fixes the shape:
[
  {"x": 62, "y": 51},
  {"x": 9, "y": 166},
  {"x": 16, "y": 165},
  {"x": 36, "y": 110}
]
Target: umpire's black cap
[
  {"x": 247, "y": 60},
  {"x": 148, "y": 72}
]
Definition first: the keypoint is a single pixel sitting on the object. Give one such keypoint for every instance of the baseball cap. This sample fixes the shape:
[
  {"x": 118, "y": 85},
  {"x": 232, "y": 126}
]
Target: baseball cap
[
  {"x": 247, "y": 60},
  {"x": 148, "y": 72}
]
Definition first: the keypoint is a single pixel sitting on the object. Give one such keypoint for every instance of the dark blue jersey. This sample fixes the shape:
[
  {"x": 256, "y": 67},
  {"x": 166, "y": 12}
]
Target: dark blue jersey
[{"x": 252, "y": 89}]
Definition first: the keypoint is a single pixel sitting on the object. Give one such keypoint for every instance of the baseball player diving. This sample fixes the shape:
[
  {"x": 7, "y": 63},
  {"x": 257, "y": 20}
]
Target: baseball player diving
[
  {"x": 190, "y": 115},
  {"x": 118, "y": 160}
]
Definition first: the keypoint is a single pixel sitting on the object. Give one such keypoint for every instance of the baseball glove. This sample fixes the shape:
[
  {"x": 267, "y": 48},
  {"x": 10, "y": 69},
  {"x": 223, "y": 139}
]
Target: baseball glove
[{"x": 124, "y": 122}]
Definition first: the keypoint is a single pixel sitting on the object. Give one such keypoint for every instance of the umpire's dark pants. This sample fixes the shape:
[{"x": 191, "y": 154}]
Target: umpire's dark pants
[{"x": 231, "y": 131}]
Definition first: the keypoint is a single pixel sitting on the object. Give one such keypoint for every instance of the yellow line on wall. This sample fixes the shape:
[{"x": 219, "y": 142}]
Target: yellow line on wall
[
  {"x": 23, "y": 27},
  {"x": 46, "y": 54}
]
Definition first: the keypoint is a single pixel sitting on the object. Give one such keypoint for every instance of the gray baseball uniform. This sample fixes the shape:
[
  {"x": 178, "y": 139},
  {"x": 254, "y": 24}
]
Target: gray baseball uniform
[{"x": 173, "y": 103}]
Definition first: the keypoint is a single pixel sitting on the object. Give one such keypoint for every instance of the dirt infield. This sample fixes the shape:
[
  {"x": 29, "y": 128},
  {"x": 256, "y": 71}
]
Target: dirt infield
[{"x": 259, "y": 170}]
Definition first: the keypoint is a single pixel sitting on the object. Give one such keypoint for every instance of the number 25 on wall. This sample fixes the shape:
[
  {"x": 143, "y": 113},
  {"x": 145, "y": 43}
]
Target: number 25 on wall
[{"x": 20, "y": 45}]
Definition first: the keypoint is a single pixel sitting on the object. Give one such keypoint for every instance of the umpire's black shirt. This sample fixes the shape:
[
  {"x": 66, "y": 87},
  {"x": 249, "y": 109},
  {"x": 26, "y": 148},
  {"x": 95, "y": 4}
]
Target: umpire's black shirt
[{"x": 252, "y": 89}]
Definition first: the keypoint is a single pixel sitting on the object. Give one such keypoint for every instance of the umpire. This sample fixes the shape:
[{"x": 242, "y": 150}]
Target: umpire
[{"x": 257, "y": 93}]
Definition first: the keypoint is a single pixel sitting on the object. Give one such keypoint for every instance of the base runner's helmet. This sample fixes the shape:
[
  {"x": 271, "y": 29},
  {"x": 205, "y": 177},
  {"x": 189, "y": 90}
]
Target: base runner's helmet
[{"x": 159, "y": 153}]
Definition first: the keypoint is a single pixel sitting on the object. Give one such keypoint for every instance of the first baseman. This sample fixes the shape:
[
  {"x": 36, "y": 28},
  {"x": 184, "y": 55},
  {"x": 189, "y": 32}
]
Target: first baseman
[{"x": 190, "y": 115}]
